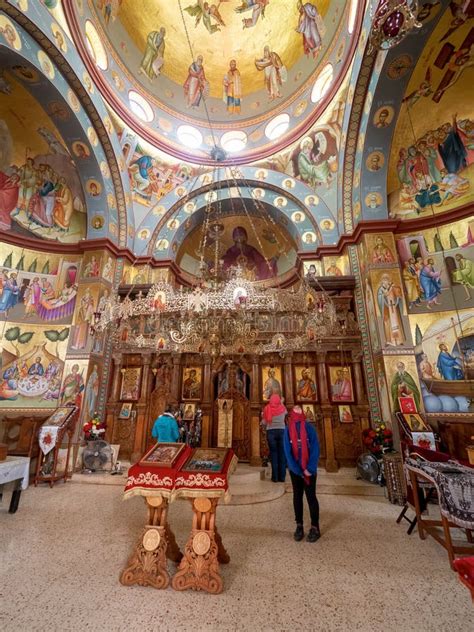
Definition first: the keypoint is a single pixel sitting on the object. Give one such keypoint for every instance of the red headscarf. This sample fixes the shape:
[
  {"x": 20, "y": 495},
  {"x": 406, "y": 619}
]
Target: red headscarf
[
  {"x": 295, "y": 416},
  {"x": 273, "y": 408}
]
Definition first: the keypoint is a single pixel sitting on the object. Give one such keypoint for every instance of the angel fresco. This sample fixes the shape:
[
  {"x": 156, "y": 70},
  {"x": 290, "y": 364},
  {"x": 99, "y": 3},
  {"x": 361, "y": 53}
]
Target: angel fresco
[
  {"x": 258, "y": 9},
  {"x": 207, "y": 12},
  {"x": 311, "y": 27}
]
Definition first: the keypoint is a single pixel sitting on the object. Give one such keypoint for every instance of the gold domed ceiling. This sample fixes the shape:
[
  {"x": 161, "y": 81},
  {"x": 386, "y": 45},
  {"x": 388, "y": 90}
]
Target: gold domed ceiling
[{"x": 246, "y": 75}]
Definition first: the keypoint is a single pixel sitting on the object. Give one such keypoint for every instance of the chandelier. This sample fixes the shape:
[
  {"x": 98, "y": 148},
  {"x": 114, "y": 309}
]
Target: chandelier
[
  {"x": 230, "y": 317},
  {"x": 392, "y": 21}
]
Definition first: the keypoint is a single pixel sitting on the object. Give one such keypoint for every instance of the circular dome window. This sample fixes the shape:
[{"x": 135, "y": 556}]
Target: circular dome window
[
  {"x": 140, "y": 106},
  {"x": 233, "y": 141},
  {"x": 322, "y": 83},
  {"x": 95, "y": 47},
  {"x": 352, "y": 16},
  {"x": 277, "y": 126},
  {"x": 189, "y": 136}
]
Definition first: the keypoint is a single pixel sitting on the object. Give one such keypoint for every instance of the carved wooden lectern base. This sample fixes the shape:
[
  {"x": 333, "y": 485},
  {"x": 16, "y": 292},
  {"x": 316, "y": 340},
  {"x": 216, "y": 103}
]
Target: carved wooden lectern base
[
  {"x": 199, "y": 568},
  {"x": 148, "y": 566}
]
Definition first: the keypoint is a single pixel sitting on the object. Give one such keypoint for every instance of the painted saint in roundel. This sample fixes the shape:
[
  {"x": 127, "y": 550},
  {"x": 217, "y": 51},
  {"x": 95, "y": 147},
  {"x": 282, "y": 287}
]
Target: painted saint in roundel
[{"x": 243, "y": 254}]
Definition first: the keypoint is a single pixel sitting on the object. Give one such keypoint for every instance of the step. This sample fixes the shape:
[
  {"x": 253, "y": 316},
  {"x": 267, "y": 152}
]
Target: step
[
  {"x": 248, "y": 474},
  {"x": 249, "y": 494}
]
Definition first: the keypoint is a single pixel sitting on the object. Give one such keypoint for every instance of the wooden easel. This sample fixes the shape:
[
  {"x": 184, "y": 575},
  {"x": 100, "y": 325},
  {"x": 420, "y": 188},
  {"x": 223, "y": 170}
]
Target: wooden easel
[{"x": 67, "y": 428}]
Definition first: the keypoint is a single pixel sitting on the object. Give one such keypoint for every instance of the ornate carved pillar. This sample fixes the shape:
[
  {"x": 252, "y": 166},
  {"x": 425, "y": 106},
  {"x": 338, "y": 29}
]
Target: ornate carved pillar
[
  {"x": 255, "y": 391},
  {"x": 255, "y": 458},
  {"x": 207, "y": 377},
  {"x": 176, "y": 377},
  {"x": 322, "y": 379},
  {"x": 331, "y": 464},
  {"x": 288, "y": 381},
  {"x": 116, "y": 381},
  {"x": 146, "y": 381},
  {"x": 361, "y": 396}
]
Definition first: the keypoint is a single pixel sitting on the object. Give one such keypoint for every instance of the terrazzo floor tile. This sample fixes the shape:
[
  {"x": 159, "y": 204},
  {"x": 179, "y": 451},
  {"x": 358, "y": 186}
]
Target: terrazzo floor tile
[{"x": 62, "y": 552}]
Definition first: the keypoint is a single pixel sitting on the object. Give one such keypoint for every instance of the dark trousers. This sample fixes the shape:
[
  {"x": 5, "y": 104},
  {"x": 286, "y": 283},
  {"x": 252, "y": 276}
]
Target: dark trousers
[
  {"x": 277, "y": 454},
  {"x": 300, "y": 488}
]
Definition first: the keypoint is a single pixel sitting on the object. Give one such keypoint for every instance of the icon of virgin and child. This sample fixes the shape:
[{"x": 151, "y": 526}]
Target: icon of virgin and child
[{"x": 242, "y": 255}]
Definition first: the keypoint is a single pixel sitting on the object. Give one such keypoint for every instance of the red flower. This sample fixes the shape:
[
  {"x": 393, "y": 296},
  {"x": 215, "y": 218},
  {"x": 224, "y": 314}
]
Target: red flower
[{"x": 47, "y": 439}]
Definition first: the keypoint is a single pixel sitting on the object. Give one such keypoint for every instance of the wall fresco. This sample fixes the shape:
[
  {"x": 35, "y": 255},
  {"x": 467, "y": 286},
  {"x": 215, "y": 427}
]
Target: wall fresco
[{"x": 432, "y": 158}]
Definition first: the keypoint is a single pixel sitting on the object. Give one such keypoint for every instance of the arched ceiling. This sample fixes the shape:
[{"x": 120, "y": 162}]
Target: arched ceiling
[{"x": 290, "y": 59}]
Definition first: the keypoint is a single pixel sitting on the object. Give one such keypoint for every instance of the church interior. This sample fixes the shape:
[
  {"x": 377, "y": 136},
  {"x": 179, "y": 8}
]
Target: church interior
[{"x": 204, "y": 205}]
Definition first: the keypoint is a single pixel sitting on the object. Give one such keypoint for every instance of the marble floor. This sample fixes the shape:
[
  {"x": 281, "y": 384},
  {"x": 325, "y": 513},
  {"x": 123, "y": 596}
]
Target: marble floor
[{"x": 62, "y": 552}]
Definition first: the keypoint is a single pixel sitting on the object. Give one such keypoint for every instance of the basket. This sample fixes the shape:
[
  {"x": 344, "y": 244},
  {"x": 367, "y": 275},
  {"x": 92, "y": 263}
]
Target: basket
[{"x": 395, "y": 478}]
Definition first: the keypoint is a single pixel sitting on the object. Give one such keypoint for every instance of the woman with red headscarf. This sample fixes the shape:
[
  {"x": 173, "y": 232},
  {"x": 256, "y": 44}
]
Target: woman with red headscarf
[
  {"x": 302, "y": 455},
  {"x": 274, "y": 415}
]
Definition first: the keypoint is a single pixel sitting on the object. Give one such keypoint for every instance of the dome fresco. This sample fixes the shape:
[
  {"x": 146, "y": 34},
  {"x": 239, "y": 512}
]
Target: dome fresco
[{"x": 233, "y": 65}]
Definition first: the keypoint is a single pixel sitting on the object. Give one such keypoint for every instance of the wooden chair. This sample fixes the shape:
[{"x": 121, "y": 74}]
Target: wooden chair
[{"x": 426, "y": 492}]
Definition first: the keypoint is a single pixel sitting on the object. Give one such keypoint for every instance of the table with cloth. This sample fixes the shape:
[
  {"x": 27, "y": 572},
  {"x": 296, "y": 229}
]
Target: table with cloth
[
  {"x": 198, "y": 567},
  {"x": 15, "y": 469},
  {"x": 454, "y": 484}
]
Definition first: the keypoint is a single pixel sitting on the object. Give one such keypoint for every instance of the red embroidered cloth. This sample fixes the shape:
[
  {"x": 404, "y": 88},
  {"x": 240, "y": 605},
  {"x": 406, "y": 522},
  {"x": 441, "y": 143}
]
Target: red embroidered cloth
[{"x": 173, "y": 482}]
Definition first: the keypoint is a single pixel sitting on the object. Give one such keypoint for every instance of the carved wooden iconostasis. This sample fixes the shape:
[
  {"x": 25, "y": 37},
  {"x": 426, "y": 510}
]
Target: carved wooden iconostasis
[{"x": 231, "y": 392}]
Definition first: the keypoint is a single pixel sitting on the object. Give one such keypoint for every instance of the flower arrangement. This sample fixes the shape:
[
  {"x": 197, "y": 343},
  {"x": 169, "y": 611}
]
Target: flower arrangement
[
  {"x": 94, "y": 429},
  {"x": 378, "y": 439}
]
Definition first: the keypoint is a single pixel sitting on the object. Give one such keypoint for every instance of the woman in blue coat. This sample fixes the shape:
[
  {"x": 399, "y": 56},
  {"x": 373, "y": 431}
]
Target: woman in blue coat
[
  {"x": 302, "y": 454},
  {"x": 165, "y": 428}
]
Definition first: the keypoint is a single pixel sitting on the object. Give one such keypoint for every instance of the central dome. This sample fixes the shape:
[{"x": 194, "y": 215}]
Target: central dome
[
  {"x": 219, "y": 32},
  {"x": 217, "y": 67}
]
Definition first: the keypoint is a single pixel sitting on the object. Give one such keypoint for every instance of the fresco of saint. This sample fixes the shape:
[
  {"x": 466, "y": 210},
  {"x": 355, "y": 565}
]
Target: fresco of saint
[
  {"x": 232, "y": 94},
  {"x": 403, "y": 385},
  {"x": 449, "y": 366},
  {"x": 311, "y": 27},
  {"x": 242, "y": 253},
  {"x": 71, "y": 392},
  {"x": 381, "y": 252},
  {"x": 274, "y": 72},
  {"x": 196, "y": 84},
  {"x": 153, "y": 58},
  {"x": 389, "y": 297}
]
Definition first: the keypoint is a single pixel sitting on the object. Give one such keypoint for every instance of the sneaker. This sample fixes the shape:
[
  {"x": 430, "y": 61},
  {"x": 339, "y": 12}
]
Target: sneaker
[
  {"x": 299, "y": 533},
  {"x": 313, "y": 535}
]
